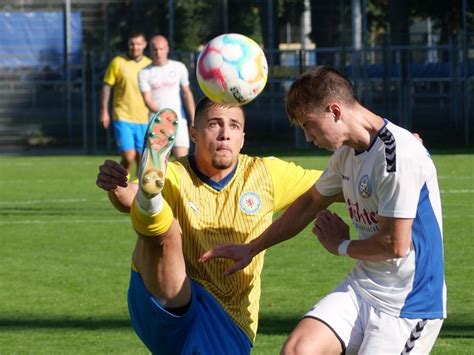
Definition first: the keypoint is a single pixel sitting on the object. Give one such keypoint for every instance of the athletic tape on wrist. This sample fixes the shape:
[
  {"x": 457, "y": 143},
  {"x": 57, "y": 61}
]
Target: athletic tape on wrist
[{"x": 342, "y": 248}]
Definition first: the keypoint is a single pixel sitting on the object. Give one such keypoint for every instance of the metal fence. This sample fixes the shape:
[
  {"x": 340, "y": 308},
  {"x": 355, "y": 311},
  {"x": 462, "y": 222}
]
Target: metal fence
[
  {"x": 428, "y": 89},
  {"x": 57, "y": 109}
]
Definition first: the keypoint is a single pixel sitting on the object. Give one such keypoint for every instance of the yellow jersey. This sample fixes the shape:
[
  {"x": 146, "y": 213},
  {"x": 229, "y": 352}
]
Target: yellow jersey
[
  {"x": 238, "y": 213},
  {"x": 128, "y": 104}
]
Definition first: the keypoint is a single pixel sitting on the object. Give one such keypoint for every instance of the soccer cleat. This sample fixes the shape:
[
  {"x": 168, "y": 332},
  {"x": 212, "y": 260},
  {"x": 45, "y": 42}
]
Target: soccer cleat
[{"x": 159, "y": 139}]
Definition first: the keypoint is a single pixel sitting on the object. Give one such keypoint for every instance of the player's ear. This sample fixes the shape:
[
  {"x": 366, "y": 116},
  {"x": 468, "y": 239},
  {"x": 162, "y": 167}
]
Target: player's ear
[
  {"x": 193, "y": 132},
  {"x": 243, "y": 140},
  {"x": 335, "y": 109}
]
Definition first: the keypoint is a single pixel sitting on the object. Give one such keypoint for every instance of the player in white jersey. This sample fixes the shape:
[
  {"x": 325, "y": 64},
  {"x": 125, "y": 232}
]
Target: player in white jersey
[
  {"x": 394, "y": 300},
  {"x": 162, "y": 84}
]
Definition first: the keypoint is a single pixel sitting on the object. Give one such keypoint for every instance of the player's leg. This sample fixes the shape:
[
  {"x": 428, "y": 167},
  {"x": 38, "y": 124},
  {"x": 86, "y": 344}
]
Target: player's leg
[
  {"x": 393, "y": 335},
  {"x": 158, "y": 254},
  {"x": 332, "y": 326},
  {"x": 180, "y": 152},
  {"x": 181, "y": 147},
  {"x": 139, "y": 139},
  {"x": 312, "y": 336},
  {"x": 170, "y": 313},
  {"x": 128, "y": 158},
  {"x": 160, "y": 291},
  {"x": 123, "y": 132}
]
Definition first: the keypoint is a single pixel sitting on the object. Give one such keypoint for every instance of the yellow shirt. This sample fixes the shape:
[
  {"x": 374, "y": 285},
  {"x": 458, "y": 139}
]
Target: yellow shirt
[
  {"x": 238, "y": 213},
  {"x": 128, "y": 103}
]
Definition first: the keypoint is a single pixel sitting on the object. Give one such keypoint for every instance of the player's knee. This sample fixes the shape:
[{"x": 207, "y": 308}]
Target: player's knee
[
  {"x": 296, "y": 345},
  {"x": 301, "y": 345}
]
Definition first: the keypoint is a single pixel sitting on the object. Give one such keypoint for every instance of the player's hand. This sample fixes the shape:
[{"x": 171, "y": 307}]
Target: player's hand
[
  {"x": 417, "y": 136},
  {"x": 111, "y": 176},
  {"x": 240, "y": 253},
  {"x": 105, "y": 119},
  {"x": 331, "y": 230}
]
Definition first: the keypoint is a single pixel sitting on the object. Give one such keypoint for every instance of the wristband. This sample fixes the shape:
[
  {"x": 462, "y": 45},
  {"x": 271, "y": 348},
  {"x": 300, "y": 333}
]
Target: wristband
[{"x": 342, "y": 248}]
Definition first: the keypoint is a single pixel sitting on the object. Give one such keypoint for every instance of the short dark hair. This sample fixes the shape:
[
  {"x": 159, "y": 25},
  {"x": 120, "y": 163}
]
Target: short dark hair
[
  {"x": 205, "y": 104},
  {"x": 136, "y": 34},
  {"x": 315, "y": 88}
]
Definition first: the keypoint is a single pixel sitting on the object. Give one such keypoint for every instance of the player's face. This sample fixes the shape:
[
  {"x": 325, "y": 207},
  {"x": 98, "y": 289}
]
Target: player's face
[
  {"x": 159, "y": 50},
  {"x": 136, "y": 46},
  {"x": 219, "y": 136},
  {"x": 322, "y": 129}
]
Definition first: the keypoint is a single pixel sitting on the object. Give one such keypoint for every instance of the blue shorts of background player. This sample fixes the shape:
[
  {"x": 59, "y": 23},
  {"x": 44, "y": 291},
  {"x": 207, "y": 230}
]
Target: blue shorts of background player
[
  {"x": 204, "y": 328},
  {"x": 129, "y": 135}
]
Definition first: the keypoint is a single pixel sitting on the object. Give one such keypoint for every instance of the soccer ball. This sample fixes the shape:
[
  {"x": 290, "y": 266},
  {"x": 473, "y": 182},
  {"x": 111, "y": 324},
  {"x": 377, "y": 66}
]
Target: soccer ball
[{"x": 232, "y": 69}]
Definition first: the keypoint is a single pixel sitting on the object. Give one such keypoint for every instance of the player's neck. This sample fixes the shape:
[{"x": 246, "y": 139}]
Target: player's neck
[
  {"x": 136, "y": 59},
  {"x": 161, "y": 63},
  {"x": 215, "y": 174},
  {"x": 365, "y": 130}
]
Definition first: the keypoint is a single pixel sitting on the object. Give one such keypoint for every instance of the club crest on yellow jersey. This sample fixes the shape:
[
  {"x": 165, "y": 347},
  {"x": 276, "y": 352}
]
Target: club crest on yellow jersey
[{"x": 249, "y": 202}]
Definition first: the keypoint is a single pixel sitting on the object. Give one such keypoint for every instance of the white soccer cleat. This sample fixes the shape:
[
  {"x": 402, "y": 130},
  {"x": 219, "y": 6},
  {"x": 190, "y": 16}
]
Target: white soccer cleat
[{"x": 159, "y": 139}]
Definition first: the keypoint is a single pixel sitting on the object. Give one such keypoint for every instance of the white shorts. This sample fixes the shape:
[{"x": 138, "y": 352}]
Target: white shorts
[
  {"x": 362, "y": 329},
  {"x": 182, "y": 134}
]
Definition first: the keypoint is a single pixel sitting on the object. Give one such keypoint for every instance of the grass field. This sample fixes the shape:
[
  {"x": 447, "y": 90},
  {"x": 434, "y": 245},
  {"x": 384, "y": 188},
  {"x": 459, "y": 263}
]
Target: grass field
[{"x": 65, "y": 258}]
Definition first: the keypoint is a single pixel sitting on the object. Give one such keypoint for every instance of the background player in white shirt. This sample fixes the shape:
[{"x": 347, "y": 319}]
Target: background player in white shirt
[
  {"x": 394, "y": 300},
  {"x": 162, "y": 84}
]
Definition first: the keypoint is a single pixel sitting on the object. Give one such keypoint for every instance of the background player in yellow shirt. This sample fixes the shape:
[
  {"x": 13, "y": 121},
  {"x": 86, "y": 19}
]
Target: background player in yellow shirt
[
  {"x": 130, "y": 114},
  {"x": 216, "y": 195}
]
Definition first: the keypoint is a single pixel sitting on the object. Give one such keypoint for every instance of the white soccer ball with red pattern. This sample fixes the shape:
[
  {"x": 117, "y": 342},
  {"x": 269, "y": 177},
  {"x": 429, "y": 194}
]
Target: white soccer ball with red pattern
[{"x": 232, "y": 69}]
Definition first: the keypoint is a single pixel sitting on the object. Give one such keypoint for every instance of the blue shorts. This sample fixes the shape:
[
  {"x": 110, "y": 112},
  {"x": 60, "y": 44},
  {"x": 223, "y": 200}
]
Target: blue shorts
[
  {"x": 129, "y": 135},
  {"x": 205, "y": 328}
]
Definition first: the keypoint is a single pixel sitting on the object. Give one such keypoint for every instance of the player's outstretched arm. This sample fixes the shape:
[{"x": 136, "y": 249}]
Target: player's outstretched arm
[
  {"x": 112, "y": 178},
  {"x": 392, "y": 241},
  {"x": 240, "y": 253},
  {"x": 295, "y": 218},
  {"x": 331, "y": 231}
]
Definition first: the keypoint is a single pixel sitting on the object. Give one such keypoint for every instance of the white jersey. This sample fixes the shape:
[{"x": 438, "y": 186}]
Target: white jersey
[
  {"x": 164, "y": 83},
  {"x": 396, "y": 178}
]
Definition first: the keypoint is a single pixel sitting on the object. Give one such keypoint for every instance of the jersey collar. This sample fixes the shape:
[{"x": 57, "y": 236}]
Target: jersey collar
[{"x": 216, "y": 185}]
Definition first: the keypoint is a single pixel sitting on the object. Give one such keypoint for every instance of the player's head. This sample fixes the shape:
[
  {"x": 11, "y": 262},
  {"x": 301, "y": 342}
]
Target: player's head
[
  {"x": 218, "y": 133},
  {"x": 159, "y": 49},
  {"x": 315, "y": 102},
  {"x": 136, "y": 45}
]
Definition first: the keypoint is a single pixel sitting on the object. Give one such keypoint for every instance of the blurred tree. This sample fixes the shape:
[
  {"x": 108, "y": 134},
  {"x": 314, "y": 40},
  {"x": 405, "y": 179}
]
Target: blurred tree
[
  {"x": 244, "y": 18},
  {"x": 193, "y": 21}
]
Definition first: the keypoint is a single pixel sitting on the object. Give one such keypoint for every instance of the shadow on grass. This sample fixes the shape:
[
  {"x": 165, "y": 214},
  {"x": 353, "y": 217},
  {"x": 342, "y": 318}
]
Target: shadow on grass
[
  {"x": 283, "y": 325},
  {"x": 91, "y": 323},
  {"x": 457, "y": 329},
  {"x": 269, "y": 325}
]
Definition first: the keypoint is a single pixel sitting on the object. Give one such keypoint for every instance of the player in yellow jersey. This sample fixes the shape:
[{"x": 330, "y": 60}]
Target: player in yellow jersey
[
  {"x": 130, "y": 114},
  {"x": 178, "y": 304}
]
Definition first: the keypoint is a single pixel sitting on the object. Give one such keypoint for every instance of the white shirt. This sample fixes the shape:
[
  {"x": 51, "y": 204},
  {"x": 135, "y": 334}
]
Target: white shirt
[
  {"x": 396, "y": 178},
  {"x": 164, "y": 83}
]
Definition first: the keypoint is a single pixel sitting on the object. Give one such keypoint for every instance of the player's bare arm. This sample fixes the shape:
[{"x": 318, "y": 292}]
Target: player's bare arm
[
  {"x": 293, "y": 221},
  {"x": 331, "y": 230},
  {"x": 112, "y": 178},
  {"x": 189, "y": 104},
  {"x": 104, "y": 106},
  {"x": 149, "y": 102},
  {"x": 391, "y": 242}
]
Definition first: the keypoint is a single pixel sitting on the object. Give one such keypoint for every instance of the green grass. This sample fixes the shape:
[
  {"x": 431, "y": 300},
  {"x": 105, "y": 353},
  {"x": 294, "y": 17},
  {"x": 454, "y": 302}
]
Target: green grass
[{"x": 65, "y": 262}]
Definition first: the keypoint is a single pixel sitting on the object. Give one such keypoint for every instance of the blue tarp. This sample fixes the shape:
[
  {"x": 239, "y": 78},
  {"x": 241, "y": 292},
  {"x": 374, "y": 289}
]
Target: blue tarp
[{"x": 36, "y": 39}]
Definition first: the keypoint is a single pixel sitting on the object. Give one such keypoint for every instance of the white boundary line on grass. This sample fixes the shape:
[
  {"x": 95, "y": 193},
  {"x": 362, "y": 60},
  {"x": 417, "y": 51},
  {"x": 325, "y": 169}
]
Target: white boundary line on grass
[
  {"x": 73, "y": 221},
  {"x": 33, "y": 202}
]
